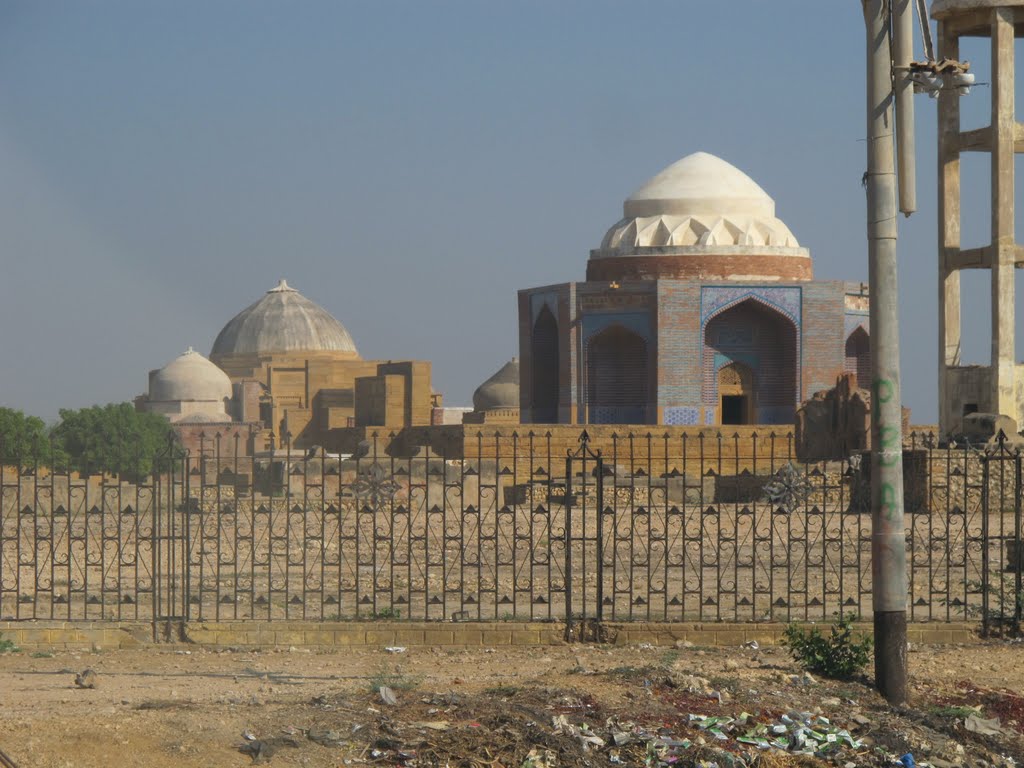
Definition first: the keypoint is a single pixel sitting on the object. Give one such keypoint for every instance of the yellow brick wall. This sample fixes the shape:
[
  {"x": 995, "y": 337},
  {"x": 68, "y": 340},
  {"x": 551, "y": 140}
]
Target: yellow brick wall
[{"x": 111, "y": 635}]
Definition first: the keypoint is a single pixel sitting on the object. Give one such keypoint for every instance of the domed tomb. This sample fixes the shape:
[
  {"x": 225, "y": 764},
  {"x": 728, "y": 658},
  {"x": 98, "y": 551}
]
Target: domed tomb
[
  {"x": 699, "y": 218},
  {"x": 284, "y": 321},
  {"x": 497, "y": 399},
  {"x": 190, "y": 387}
]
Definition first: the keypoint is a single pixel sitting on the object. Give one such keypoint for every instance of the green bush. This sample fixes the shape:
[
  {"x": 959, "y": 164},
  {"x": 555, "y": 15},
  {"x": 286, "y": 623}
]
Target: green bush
[
  {"x": 839, "y": 655},
  {"x": 7, "y": 646}
]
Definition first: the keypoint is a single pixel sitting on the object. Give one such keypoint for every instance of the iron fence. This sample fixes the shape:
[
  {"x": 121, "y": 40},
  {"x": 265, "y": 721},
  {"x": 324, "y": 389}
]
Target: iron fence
[{"x": 648, "y": 527}]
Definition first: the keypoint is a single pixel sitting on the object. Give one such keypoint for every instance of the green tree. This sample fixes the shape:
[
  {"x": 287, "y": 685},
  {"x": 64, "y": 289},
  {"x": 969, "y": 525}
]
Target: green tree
[
  {"x": 23, "y": 439},
  {"x": 113, "y": 438}
]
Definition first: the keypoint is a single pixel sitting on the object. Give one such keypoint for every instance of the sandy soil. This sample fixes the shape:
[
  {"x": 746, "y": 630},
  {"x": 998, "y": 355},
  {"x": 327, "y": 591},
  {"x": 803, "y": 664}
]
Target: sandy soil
[{"x": 171, "y": 706}]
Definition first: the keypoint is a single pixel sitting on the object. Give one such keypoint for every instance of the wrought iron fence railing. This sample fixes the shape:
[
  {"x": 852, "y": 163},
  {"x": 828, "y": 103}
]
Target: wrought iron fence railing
[{"x": 647, "y": 528}]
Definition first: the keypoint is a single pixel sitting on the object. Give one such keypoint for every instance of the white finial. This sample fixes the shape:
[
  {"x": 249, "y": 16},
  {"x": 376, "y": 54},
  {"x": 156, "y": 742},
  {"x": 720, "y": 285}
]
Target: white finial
[
  {"x": 190, "y": 351},
  {"x": 281, "y": 287}
]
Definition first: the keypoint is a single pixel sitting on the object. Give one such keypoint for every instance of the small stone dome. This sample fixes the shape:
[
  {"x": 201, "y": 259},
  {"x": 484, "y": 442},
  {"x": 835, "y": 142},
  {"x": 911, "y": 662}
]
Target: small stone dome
[
  {"x": 283, "y": 321},
  {"x": 499, "y": 391},
  {"x": 190, "y": 377}
]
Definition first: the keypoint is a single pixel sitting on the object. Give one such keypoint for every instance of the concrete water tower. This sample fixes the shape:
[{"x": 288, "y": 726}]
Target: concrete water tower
[{"x": 995, "y": 388}]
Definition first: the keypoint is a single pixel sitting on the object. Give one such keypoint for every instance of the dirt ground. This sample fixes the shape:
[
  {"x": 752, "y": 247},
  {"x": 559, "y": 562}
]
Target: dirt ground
[{"x": 499, "y": 708}]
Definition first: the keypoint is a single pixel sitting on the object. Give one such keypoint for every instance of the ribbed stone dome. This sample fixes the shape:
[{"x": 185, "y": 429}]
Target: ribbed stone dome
[
  {"x": 499, "y": 391},
  {"x": 190, "y": 377},
  {"x": 283, "y": 321}
]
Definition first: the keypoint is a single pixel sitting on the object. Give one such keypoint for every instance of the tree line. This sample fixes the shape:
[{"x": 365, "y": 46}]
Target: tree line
[{"x": 113, "y": 438}]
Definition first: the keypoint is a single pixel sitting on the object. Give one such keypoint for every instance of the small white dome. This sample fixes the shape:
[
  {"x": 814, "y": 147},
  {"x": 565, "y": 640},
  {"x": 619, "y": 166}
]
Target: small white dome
[
  {"x": 190, "y": 377},
  {"x": 700, "y": 184},
  {"x": 283, "y": 321}
]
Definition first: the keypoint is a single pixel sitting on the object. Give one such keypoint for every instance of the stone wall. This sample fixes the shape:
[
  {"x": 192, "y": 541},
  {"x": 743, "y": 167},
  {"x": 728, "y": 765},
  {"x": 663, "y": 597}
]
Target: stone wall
[{"x": 31, "y": 636}]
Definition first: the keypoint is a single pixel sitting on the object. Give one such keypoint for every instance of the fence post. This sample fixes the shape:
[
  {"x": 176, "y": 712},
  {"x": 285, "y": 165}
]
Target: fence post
[
  {"x": 986, "y": 581},
  {"x": 600, "y": 537},
  {"x": 1018, "y": 545},
  {"x": 568, "y": 547}
]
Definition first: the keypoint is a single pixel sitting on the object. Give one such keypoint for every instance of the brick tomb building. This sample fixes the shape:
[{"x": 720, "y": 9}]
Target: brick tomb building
[
  {"x": 699, "y": 308},
  {"x": 282, "y": 365}
]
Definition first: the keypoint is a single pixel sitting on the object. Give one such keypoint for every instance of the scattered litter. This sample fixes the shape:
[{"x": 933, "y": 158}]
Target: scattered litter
[
  {"x": 540, "y": 758},
  {"x": 87, "y": 678},
  {"x": 977, "y": 724},
  {"x": 396, "y": 649},
  {"x": 248, "y": 736},
  {"x": 753, "y": 645},
  {"x": 387, "y": 695},
  {"x": 433, "y": 725},
  {"x": 908, "y": 761},
  {"x": 325, "y": 737}
]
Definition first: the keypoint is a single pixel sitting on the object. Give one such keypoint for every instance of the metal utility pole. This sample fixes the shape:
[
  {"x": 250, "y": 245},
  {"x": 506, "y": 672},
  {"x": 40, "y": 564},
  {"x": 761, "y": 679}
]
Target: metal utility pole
[{"x": 888, "y": 544}]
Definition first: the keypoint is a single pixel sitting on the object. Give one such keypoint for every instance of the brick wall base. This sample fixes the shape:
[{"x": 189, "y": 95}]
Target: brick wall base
[{"x": 110, "y": 635}]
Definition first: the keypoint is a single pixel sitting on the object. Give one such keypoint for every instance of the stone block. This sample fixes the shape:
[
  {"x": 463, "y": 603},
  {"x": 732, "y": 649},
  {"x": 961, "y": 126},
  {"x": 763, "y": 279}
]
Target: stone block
[
  {"x": 380, "y": 637},
  {"x": 496, "y": 637},
  {"x": 728, "y": 637},
  {"x": 525, "y": 637},
  {"x": 318, "y": 637}
]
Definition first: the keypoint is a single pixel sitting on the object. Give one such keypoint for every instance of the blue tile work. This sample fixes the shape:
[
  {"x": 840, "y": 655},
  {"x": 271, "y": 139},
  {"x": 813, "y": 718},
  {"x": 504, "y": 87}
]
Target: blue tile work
[
  {"x": 681, "y": 416},
  {"x": 610, "y": 414},
  {"x": 679, "y": 343},
  {"x": 543, "y": 299},
  {"x": 853, "y": 319},
  {"x": 638, "y": 322},
  {"x": 713, "y": 299},
  {"x": 710, "y": 416}
]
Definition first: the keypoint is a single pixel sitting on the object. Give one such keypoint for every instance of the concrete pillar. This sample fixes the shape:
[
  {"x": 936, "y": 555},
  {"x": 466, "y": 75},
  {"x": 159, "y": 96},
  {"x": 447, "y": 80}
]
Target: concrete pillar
[
  {"x": 949, "y": 232},
  {"x": 1003, "y": 244}
]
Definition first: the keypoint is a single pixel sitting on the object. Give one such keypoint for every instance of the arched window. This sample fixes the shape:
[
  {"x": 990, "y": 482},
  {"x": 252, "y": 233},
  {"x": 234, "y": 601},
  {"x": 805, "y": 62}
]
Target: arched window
[
  {"x": 858, "y": 358},
  {"x": 618, "y": 381},
  {"x": 755, "y": 347},
  {"x": 544, "y": 363}
]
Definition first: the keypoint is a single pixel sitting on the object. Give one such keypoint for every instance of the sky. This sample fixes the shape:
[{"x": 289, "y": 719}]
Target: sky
[{"x": 411, "y": 165}]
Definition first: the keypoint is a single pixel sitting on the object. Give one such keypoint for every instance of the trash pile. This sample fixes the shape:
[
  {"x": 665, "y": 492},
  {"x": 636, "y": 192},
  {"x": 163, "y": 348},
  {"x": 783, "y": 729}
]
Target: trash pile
[{"x": 799, "y": 733}]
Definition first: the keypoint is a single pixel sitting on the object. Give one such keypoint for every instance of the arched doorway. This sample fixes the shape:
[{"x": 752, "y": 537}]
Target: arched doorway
[
  {"x": 858, "y": 358},
  {"x": 544, "y": 365},
  {"x": 754, "y": 346},
  {"x": 618, "y": 382},
  {"x": 736, "y": 394}
]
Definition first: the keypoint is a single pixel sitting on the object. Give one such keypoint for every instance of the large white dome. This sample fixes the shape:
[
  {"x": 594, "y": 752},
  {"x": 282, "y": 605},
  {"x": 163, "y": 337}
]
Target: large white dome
[
  {"x": 283, "y": 321},
  {"x": 190, "y": 377},
  {"x": 700, "y": 200}
]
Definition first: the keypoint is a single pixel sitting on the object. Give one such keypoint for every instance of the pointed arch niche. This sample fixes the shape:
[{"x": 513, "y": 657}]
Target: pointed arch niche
[
  {"x": 858, "y": 357},
  {"x": 750, "y": 364},
  {"x": 618, "y": 377},
  {"x": 544, "y": 366}
]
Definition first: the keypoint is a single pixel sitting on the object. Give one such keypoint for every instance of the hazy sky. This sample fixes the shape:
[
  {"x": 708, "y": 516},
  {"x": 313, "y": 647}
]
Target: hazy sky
[{"x": 409, "y": 166}]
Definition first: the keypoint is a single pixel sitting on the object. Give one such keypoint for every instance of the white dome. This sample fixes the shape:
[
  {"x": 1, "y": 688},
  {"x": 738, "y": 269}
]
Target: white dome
[
  {"x": 283, "y": 321},
  {"x": 190, "y": 377},
  {"x": 700, "y": 200}
]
